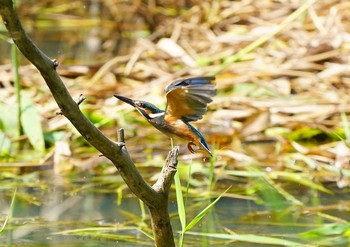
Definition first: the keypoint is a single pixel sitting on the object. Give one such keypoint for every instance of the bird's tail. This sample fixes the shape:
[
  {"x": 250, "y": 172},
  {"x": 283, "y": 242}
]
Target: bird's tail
[{"x": 205, "y": 148}]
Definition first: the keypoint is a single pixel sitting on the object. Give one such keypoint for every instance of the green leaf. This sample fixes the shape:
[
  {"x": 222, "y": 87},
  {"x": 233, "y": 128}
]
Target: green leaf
[
  {"x": 345, "y": 124},
  {"x": 10, "y": 212},
  {"x": 8, "y": 118},
  {"x": 30, "y": 120},
  {"x": 251, "y": 238},
  {"x": 306, "y": 134},
  {"x": 327, "y": 230},
  {"x": 5, "y": 144},
  {"x": 180, "y": 201},
  {"x": 300, "y": 179},
  {"x": 199, "y": 216}
]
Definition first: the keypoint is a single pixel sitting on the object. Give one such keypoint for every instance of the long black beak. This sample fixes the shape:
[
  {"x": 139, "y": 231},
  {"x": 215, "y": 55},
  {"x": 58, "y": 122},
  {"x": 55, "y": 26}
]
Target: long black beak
[{"x": 126, "y": 100}]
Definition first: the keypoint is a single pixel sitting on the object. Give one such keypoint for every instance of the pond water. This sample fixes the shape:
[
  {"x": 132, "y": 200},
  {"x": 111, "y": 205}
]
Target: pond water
[
  {"x": 52, "y": 211},
  {"x": 83, "y": 210},
  {"x": 87, "y": 33}
]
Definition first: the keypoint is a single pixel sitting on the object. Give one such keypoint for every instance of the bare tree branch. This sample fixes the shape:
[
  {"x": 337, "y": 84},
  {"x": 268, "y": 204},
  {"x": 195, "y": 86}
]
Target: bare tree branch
[
  {"x": 69, "y": 108},
  {"x": 159, "y": 213},
  {"x": 155, "y": 198},
  {"x": 168, "y": 172}
]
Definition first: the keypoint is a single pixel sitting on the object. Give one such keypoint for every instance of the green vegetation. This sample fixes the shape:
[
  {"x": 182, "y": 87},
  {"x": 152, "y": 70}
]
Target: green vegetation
[{"x": 278, "y": 128}]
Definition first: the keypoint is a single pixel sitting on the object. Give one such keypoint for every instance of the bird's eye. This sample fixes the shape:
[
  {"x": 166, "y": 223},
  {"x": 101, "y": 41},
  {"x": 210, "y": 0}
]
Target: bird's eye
[{"x": 142, "y": 105}]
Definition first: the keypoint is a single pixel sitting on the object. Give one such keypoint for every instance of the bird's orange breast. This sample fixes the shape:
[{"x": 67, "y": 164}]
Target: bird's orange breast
[{"x": 174, "y": 127}]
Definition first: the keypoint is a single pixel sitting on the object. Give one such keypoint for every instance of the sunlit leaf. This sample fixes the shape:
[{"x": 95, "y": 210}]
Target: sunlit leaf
[
  {"x": 199, "y": 216},
  {"x": 30, "y": 120},
  {"x": 8, "y": 119},
  {"x": 106, "y": 233},
  {"x": 307, "y": 134},
  {"x": 345, "y": 123},
  {"x": 5, "y": 144},
  {"x": 251, "y": 238},
  {"x": 327, "y": 230},
  {"x": 9, "y": 215},
  {"x": 180, "y": 203},
  {"x": 300, "y": 179}
]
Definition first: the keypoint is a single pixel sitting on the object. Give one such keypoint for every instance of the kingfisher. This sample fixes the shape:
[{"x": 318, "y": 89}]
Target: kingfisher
[{"x": 187, "y": 101}]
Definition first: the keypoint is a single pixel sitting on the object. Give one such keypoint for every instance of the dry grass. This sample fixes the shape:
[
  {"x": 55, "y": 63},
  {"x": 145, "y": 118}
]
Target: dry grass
[{"x": 295, "y": 78}]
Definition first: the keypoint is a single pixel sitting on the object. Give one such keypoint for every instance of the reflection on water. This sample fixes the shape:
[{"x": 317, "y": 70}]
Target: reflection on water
[
  {"x": 86, "y": 33},
  {"x": 42, "y": 216}
]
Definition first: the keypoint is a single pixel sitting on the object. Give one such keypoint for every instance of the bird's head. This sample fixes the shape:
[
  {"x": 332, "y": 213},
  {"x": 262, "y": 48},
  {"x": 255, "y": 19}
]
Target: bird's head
[{"x": 147, "y": 109}]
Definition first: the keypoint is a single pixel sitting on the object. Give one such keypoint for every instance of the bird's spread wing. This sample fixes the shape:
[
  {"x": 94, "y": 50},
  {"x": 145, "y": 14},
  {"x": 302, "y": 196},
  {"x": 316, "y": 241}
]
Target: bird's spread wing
[{"x": 187, "y": 99}]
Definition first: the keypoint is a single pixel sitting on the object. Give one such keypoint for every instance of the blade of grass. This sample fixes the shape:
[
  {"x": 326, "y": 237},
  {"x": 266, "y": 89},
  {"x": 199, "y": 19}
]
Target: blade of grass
[
  {"x": 211, "y": 173},
  {"x": 188, "y": 183},
  {"x": 179, "y": 196},
  {"x": 270, "y": 192},
  {"x": 180, "y": 205},
  {"x": 143, "y": 214},
  {"x": 327, "y": 230},
  {"x": 299, "y": 179},
  {"x": 180, "y": 202},
  {"x": 12, "y": 205},
  {"x": 345, "y": 124},
  {"x": 251, "y": 238},
  {"x": 15, "y": 67},
  {"x": 199, "y": 216},
  {"x": 290, "y": 176}
]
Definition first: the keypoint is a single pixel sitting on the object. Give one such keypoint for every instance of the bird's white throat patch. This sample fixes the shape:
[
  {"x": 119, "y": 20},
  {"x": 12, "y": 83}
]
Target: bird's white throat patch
[{"x": 154, "y": 115}]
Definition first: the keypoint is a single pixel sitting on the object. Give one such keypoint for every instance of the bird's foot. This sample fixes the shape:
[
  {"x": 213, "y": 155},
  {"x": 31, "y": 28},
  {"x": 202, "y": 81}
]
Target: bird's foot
[
  {"x": 189, "y": 146},
  {"x": 205, "y": 152}
]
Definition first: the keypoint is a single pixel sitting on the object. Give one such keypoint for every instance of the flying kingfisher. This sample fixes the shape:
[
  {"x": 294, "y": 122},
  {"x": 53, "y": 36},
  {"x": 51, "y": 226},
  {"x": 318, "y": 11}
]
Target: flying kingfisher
[{"x": 187, "y": 101}]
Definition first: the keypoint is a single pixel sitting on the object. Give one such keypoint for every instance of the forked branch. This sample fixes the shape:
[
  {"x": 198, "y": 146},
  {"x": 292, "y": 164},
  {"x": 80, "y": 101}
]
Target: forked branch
[{"x": 115, "y": 151}]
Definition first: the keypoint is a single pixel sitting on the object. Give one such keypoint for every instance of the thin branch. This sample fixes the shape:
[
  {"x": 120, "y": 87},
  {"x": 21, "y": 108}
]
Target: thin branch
[
  {"x": 78, "y": 102},
  {"x": 121, "y": 136},
  {"x": 168, "y": 172}
]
